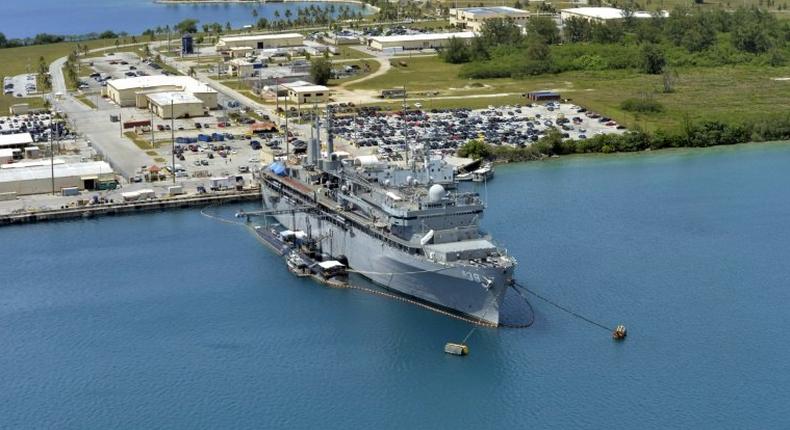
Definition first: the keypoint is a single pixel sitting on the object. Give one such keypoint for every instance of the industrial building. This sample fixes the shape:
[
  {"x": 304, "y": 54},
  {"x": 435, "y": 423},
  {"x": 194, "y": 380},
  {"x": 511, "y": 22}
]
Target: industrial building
[
  {"x": 417, "y": 41},
  {"x": 604, "y": 14},
  {"x": 36, "y": 178},
  {"x": 141, "y": 92},
  {"x": 168, "y": 105},
  {"x": 259, "y": 41},
  {"x": 18, "y": 141},
  {"x": 473, "y": 18},
  {"x": 302, "y": 92},
  {"x": 243, "y": 67}
]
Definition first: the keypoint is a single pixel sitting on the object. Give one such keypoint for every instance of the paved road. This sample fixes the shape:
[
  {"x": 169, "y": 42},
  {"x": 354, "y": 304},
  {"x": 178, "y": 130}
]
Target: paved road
[{"x": 104, "y": 136}]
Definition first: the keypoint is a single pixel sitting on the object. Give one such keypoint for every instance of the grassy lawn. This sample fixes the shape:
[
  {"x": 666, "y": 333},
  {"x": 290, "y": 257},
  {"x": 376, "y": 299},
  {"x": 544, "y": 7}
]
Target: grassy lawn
[
  {"x": 346, "y": 53},
  {"x": 15, "y": 61},
  {"x": 724, "y": 93},
  {"x": 145, "y": 143},
  {"x": 86, "y": 101},
  {"x": 374, "y": 66}
]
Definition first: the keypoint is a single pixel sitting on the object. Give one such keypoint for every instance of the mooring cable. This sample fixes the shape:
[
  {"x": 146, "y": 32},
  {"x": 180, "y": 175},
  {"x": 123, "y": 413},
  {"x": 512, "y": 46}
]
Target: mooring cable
[{"x": 562, "y": 308}]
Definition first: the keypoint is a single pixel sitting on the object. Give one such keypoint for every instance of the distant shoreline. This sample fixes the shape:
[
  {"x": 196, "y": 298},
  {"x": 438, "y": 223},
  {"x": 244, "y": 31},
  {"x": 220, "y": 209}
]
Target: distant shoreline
[{"x": 356, "y": 2}]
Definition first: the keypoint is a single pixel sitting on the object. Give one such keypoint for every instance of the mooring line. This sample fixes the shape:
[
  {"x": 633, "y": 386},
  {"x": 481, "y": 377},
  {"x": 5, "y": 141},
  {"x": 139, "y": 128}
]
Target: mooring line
[{"x": 563, "y": 308}]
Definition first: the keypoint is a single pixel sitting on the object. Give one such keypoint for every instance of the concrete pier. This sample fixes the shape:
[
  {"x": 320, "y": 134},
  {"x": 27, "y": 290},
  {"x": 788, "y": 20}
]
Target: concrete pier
[{"x": 158, "y": 204}]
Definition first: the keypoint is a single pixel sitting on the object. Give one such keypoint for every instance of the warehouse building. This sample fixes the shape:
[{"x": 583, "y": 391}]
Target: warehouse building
[
  {"x": 301, "y": 92},
  {"x": 168, "y": 105},
  {"x": 473, "y": 18},
  {"x": 139, "y": 91},
  {"x": 37, "y": 178},
  {"x": 604, "y": 14},
  {"x": 417, "y": 41},
  {"x": 16, "y": 141},
  {"x": 259, "y": 41},
  {"x": 243, "y": 68}
]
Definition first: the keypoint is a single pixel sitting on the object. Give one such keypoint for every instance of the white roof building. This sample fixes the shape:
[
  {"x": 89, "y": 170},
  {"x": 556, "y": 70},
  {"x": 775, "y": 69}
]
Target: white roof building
[
  {"x": 176, "y": 98},
  {"x": 603, "y": 14},
  {"x": 260, "y": 41},
  {"x": 38, "y": 179},
  {"x": 417, "y": 41},
  {"x": 18, "y": 140},
  {"x": 141, "y": 83}
]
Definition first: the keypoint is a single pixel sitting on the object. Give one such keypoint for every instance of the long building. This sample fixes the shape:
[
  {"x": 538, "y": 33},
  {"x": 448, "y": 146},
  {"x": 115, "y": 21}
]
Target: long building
[
  {"x": 16, "y": 140},
  {"x": 417, "y": 41},
  {"x": 473, "y": 18},
  {"x": 604, "y": 14},
  {"x": 142, "y": 92},
  {"x": 259, "y": 41},
  {"x": 36, "y": 178}
]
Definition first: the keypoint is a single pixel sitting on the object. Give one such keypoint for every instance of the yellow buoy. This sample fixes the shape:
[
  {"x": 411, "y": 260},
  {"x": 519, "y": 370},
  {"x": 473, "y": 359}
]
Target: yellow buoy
[{"x": 456, "y": 348}]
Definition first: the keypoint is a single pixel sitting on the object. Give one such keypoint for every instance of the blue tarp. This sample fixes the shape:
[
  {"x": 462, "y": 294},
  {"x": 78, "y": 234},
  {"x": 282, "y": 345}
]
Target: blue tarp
[{"x": 277, "y": 168}]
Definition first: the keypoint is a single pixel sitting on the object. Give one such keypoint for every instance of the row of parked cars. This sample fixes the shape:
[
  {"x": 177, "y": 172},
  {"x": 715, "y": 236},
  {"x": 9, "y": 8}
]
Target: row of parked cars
[{"x": 448, "y": 128}]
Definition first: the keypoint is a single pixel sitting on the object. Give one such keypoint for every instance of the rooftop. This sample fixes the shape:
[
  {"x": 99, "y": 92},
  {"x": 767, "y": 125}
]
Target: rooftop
[
  {"x": 494, "y": 10},
  {"x": 255, "y": 37},
  {"x": 165, "y": 98},
  {"x": 308, "y": 88},
  {"x": 15, "y": 139},
  {"x": 609, "y": 12},
  {"x": 91, "y": 168},
  {"x": 424, "y": 36},
  {"x": 143, "y": 82}
]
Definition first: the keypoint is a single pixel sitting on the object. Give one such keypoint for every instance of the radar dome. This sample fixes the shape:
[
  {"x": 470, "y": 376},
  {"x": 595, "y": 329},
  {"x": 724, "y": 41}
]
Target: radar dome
[{"x": 435, "y": 193}]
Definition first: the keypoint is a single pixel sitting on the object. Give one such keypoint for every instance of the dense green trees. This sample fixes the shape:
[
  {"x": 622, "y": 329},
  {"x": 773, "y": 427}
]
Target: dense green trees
[
  {"x": 456, "y": 51},
  {"x": 694, "y": 134},
  {"x": 653, "y": 60},
  {"x": 320, "y": 70},
  {"x": 545, "y": 28},
  {"x": 688, "y": 37},
  {"x": 187, "y": 26}
]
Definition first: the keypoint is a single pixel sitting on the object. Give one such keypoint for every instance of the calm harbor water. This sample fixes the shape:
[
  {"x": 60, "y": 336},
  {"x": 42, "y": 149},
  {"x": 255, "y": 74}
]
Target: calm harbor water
[
  {"x": 173, "y": 320},
  {"x": 26, "y": 18}
]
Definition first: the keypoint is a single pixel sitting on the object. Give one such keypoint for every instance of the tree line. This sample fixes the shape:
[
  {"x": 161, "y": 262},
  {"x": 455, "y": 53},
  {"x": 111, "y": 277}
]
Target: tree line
[
  {"x": 692, "y": 134},
  {"x": 687, "y": 37}
]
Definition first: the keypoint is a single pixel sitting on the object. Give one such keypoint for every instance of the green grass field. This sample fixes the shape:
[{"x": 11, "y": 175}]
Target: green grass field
[
  {"x": 723, "y": 93},
  {"x": 374, "y": 66},
  {"x": 14, "y": 61}
]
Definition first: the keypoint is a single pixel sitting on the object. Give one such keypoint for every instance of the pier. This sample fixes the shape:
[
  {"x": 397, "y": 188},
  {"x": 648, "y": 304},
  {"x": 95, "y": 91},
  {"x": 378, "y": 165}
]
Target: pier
[{"x": 157, "y": 204}]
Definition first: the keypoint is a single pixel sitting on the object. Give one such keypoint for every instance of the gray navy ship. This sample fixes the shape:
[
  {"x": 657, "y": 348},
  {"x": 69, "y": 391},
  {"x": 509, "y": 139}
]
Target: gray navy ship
[{"x": 400, "y": 223}]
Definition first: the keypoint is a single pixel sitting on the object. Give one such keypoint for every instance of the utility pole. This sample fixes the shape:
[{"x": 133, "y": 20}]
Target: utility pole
[
  {"x": 287, "y": 143},
  {"x": 173, "y": 138},
  {"x": 120, "y": 124},
  {"x": 152, "y": 126},
  {"x": 52, "y": 156}
]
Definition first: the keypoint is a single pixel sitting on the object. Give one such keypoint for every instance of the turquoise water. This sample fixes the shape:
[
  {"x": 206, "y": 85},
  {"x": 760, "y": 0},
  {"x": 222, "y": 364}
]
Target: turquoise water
[
  {"x": 172, "y": 320},
  {"x": 26, "y": 18}
]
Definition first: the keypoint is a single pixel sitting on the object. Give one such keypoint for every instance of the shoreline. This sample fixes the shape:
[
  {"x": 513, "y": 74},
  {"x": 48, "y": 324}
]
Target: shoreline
[
  {"x": 260, "y": 2},
  {"x": 660, "y": 151}
]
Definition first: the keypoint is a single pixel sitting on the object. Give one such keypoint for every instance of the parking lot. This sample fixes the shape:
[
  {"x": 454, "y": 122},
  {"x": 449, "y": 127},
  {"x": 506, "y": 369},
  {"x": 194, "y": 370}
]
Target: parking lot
[
  {"x": 37, "y": 124},
  {"x": 518, "y": 125},
  {"x": 20, "y": 85}
]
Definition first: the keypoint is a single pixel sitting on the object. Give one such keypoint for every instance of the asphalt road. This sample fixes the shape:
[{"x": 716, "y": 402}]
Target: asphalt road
[{"x": 104, "y": 136}]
